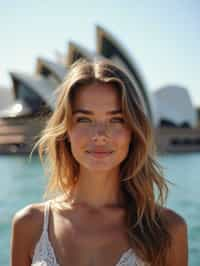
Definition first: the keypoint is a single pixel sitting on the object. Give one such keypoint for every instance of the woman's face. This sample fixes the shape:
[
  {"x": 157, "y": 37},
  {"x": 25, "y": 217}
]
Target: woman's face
[{"x": 99, "y": 135}]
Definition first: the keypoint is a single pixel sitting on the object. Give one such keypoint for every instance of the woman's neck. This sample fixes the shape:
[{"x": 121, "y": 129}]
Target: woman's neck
[{"x": 97, "y": 191}]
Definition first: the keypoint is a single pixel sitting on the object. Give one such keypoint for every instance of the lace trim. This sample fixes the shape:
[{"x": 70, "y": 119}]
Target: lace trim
[
  {"x": 44, "y": 254},
  {"x": 126, "y": 258}
]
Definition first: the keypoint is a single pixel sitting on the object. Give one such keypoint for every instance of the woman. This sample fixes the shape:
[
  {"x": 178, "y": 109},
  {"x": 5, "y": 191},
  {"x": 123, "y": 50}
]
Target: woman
[{"x": 99, "y": 152}]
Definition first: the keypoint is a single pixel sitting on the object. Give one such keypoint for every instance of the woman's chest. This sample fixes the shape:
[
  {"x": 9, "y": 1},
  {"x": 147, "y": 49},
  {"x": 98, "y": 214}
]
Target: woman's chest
[
  {"x": 89, "y": 246},
  {"x": 91, "y": 234}
]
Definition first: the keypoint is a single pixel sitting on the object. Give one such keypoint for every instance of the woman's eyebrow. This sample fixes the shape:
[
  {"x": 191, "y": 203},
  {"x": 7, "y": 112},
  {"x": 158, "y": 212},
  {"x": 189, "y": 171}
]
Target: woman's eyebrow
[
  {"x": 88, "y": 112},
  {"x": 83, "y": 111}
]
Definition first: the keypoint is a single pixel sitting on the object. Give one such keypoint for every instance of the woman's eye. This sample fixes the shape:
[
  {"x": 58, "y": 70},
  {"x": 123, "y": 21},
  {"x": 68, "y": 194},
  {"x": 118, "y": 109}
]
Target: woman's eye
[
  {"x": 83, "y": 119},
  {"x": 117, "y": 120}
]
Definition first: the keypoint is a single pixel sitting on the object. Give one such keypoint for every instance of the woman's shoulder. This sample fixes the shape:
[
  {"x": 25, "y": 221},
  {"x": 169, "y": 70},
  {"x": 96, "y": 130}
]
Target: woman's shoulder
[
  {"x": 172, "y": 219},
  {"x": 177, "y": 228},
  {"x": 28, "y": 221},
  {"x": 29, "y": 214},
  {"x": 27, "y": 225}
]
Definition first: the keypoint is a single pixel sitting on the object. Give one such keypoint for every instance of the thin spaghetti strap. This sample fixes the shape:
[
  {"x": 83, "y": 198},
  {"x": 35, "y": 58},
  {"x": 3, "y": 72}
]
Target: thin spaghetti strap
[{"x": 46, "y": 215}]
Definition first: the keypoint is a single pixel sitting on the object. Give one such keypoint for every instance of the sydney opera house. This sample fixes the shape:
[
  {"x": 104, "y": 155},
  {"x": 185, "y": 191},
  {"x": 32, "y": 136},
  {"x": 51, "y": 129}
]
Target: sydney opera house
[{"x": 169, "y": 109}]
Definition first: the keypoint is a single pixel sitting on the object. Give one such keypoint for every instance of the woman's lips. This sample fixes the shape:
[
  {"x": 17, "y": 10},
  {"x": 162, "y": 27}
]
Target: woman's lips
[{"x": 100, "y": 154}]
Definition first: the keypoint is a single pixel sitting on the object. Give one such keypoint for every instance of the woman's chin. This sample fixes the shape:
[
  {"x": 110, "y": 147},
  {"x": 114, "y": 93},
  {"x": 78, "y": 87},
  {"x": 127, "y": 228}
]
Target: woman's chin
[{"x": 100, "y": 166}]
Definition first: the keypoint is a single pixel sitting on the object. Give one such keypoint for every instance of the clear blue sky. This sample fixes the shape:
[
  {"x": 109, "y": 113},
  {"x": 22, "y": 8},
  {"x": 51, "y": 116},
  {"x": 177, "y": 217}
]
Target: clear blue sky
[{"x": 162, "y": 36}]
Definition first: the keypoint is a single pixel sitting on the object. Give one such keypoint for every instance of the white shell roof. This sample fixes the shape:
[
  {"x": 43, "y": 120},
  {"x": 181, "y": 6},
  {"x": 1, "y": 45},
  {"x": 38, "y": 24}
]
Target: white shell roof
[
  {"x": 45, "y": 88},
  {"x": 6, "y": 97},
  {"x": 17, "y": 108},
  {"x": 73, "y": 48},
  {"x": 174, "y": 103},
  {"x": 58, "y": 69}
]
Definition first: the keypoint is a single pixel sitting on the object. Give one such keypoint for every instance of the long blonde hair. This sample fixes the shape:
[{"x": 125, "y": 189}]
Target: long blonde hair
[{"x": 142, "y": 180}]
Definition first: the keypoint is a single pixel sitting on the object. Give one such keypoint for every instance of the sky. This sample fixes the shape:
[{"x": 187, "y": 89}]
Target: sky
[{"x": 162, "y": 37}]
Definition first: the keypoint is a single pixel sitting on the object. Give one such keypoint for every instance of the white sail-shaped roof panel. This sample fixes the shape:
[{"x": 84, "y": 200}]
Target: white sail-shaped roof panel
[
  {"x": 17, "y": 108},
  {"x": 6, "y": 97},
  {"x": 45, "y": 88},
  {"x": 76, "y": 51},
  {"x": 174, "y": 104},
  {"x": 57, "y": 70}
]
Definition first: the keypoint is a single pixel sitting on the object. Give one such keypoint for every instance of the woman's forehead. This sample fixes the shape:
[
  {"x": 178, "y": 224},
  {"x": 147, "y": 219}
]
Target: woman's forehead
[{"x": 97, "y": 96}]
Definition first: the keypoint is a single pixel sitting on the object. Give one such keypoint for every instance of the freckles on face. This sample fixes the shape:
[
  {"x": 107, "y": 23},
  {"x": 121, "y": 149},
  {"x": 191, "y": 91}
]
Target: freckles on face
[
  {"x": 121, "y": 141},
  {"x": 99, "y": 135}
]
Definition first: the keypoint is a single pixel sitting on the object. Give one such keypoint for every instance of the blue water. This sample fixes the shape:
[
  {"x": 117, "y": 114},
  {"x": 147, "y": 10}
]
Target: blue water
[{"x": 23, "y": 182}]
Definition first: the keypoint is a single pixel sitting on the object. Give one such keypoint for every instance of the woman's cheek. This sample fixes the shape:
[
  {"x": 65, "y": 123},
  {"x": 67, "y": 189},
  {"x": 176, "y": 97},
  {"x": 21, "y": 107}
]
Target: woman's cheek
[
  {"x": 124, "y": 135},
  {"x": 78, "y": 134}
]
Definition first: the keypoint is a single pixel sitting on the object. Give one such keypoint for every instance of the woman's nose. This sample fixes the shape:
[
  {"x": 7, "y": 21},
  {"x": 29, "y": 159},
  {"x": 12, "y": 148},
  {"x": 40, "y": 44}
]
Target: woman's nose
[{"x": 100, "y": 131}]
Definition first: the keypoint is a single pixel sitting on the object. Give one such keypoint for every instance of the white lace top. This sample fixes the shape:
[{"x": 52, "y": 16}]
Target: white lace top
[{"x": 44, "y": 253}]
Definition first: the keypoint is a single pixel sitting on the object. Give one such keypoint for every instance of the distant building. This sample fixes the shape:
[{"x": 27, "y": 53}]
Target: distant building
[
  {"x": 34, "y": 94},
  {"x": 6, "y": 97},
  {"x": 75, "y": 52},
  {"x": 31, "y": 94},
  {"x": 33, "y": 99},
  {"x": 51, "y": 70},
  {"x": 174, "y": 107}
]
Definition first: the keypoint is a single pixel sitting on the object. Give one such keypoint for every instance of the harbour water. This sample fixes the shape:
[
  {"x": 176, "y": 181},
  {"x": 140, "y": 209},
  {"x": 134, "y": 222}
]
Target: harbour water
[{"x": 23, "y": 182}]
